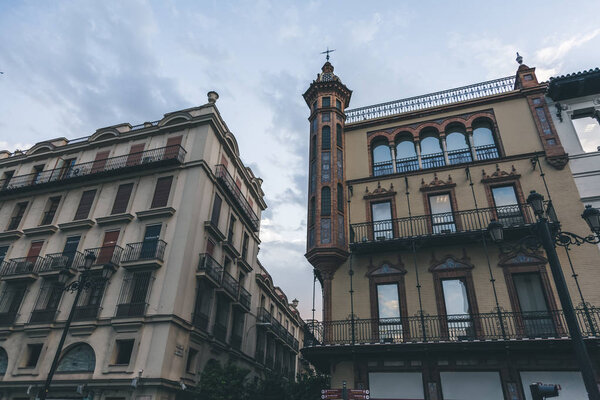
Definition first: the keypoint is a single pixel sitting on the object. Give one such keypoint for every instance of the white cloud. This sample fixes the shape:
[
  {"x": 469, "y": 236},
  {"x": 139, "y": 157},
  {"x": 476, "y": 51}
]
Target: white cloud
[{"x": 555, "y": 53}]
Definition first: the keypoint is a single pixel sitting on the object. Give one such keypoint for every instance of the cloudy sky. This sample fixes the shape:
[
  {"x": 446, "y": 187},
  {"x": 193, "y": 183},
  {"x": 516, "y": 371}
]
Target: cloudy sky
[{"x": 71, "y": 67}]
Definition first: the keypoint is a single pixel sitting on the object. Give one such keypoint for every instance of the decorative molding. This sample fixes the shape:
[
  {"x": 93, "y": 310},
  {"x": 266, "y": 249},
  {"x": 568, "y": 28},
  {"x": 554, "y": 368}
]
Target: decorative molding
[
  {"x": 11, "y": 235},
  {"x": 499, "y": 175},
  {"x": 115, "y": 219},
  {"x": 521, "y": 257},
  {"x": 437, "y": 183},
  {"x": 450, "y": 263},
  {"x": 559, "y": 161},
  {"x": 385, "y": 268},
  {"x": 40, "y": 230},
  {"x": 78, "y": 224},
  {"x": 379, "y": 192},
  {"x": 156, "y": 213}
]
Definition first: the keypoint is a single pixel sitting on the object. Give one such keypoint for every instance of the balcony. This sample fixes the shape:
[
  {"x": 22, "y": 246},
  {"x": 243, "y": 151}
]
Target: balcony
[
  {"x": 488, "y": 152},
  {"x": 42, "y": 316},
  {"x": 234, "y": 191},
  {"x": 245, "y": 298},
  {"x": 200, "y": 321},
  {"x": 220, "y": 332},
  {"x": 446, "y": 227},
  {"x": 407, "y": 164},
  {"x": 212, "y": 227},
  {"x": 130, "y": 310},
  {"x": 23, "y": 268},
  {"x": 230, "y": 286},
  {"x": 106, "y": 255},
  {"x": 94, "y": 169},
  {"x": 7, "y": 318},
  {"x": 236, "y": 341},
  {"x": 210, "y": 269},
  {"x": 56, "y": 262},
  {"x": 86, "y": 313},
  {"x": 461, "y": 156},
  {"x": 144, "y": 255},
  {"x": 466, "y": 328}
]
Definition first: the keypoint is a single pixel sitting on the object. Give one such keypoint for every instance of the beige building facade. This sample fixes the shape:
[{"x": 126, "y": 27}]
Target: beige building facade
[
  {"x": 171, "y": 210},
  {"x": 418, "y": 302}
]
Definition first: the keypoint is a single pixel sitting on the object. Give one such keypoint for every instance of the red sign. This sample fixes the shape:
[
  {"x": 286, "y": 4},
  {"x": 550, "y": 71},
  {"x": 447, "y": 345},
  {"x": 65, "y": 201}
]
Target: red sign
[{"x": 336, "y": 394}]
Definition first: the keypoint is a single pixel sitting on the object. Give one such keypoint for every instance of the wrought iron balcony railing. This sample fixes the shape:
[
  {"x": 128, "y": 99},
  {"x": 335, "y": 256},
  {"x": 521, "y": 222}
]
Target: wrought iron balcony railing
[
  {"x": 416, "y": 103},
  {"x": 245, "y": 297},
  {"x": 461, "y": 156},
  {"x": 220, "y": 331},
  {"x": 42, "y": 316},
  {"x": 107, "y": 255},
  {"x": 407, "y": 164},
  {"x": 86, "y": 313},
  {"x": 445, "y": 224},
  {"x": 230, "y": 285},
  {"x": 383, "y": 168},
  {"x": 211, "y": 267},
  {"x": 487, "y": 152},
  {"x": 85, "y": 171},
  {"x": 22, "y": 265},
  {"x": 235, "y": 192},
  {"x": 433, "y": 160},
  {"x": 59, "y": 261},
  {"x": 7, "y": 318},
  {"x": 451, "y": 328},
  {"x": 200, "y": 320},
  {"x": 147, "y": 250},
  {"x": 125, "y": 310}
]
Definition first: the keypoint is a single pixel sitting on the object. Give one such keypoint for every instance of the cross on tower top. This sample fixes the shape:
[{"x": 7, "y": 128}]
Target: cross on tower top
[{"x": 327, "y": 52}]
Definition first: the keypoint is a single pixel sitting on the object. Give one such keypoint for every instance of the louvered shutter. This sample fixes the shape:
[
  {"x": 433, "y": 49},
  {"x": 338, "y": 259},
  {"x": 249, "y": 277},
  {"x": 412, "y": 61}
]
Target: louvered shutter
[
  {"x": 85, "y": 204},
  {"x": 161, "y": 192},
  {"x": 122, "y": 198}
]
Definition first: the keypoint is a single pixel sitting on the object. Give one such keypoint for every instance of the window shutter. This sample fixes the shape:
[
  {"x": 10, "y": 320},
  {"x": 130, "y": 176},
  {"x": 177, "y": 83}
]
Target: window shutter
[
  {"x": 216, "y": 210},
  {"x": 135, "y": 154},
  {"x": 161, "y": 192},
  {"x": 122, "y": 198},
  {"x": 85, "y": 204},
  {"x": 172, "y": 149},
  {"x": 100, "y": 161}
]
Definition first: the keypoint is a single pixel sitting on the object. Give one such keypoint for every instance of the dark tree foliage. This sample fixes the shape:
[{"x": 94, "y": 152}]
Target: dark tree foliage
[{"x": 230, "y": 382}]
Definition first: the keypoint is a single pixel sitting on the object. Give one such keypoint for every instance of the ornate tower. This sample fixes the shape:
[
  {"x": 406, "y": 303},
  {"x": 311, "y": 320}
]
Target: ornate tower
[{"x": 327, "y": 240}]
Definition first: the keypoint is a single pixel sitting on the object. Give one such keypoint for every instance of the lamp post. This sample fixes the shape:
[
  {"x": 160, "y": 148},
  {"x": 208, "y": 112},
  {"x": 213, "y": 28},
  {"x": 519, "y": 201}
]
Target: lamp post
[
  {"x": 548, "y": 237},
  {"x": 83, "y": 282}
]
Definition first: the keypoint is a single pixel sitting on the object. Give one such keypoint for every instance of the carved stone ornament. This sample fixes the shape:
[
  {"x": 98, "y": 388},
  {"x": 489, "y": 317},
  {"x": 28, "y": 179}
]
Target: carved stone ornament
[
  {"x": 436, "y": 183},
  {"x": 379, "y": 191},
  {"x": 450, "y": 263},
  {"x": 521, "y": 257},
  {"x": 558, "y": 162},
  {"x": 498, "y": 174},
  {"x": 386, "y": 268}
]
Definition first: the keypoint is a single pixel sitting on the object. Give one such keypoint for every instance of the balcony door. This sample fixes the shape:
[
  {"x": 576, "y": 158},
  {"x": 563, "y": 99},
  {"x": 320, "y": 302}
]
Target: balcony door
[
  {"x": 108, "y": 247},
  {"x": 442, "y": 217},
  {"x": 458, "y": 309},
  {"x": 388, "y": 309},
  {"x": 150, "y": 243},
  {"x": 382, "y": 220},
  {"x": 535, "y": 313},
  {"x": 31, "y": 259},
  {"x": 507, "y": 206}
]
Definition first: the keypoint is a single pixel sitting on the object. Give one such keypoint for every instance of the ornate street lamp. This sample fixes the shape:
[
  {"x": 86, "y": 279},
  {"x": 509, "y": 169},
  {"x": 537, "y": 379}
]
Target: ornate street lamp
[
  {"x": 549, "y": 237},
  {"x": 84, "y": 282}
]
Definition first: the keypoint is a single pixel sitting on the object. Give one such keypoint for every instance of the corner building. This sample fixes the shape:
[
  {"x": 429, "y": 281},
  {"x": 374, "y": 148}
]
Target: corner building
[
  {"x": 418, "y": 302},
  {"x": 172, "y": 210}
]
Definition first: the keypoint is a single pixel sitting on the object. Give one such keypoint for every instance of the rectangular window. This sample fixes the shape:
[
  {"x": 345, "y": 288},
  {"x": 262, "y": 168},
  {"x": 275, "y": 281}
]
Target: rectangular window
[
  {"x": 149, "y": 249},
  {"x": 18, "y": 213},
  {"x": 161, "y": 192},
  {"x": 340, "y": 163},
  {"x": 341, "y": 230},
  {"x": 325, "y": 166},
  {"x": 325, "y": 117},
  {"x": 202, "y": 306},
  {"x": 314, "y": 105},
  {"x": 122, "y": 198},
  {"x": 388, "y": 308},
  {"x": 245, "y": 246},
  {"x": 47, "y": 302},
  {"x": 105, "y": 256},
  {"x": 442, "y": 218},
  {"x": 216, "y": 210},
  {"x": 338, "y": 104},
  {"x": 68, "y": 254},
  {"x": 587, "y": 128},
  {"x": 191, "y": 363},
  {"x": 314, "y": 125},
  {"x": 134, "y": 292},
  {"x": 533, "y": 305},
  {"x": 6, "y": 178},
  {"x": 37, "y": 174},
  {"x": 382, "y": 220},
  {"x": 326, "y": 101},
  {"x": 50, "y": 210},
  {"x": 313, "y": 176},
  {"x": 458, "y": 311},
  {"x": 67, "y": 168},
  {"x": 325, "y": 230},
  {"x": 541, "y": 114},
  {"x": 508, "y": 210},
  {"x": 85, "y": 204},
  {"x": 231, "y": 229},
  {"x": 3, "y": 251},
  {"x": 10, "y": 301},
  {"x": 33, "y": 354},
  {"x": 124, "y": 349},
  {"x": 222, "y": 319}
]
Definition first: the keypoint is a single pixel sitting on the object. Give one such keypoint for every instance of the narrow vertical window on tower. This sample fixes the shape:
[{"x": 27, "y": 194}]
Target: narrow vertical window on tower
[
  {"x": 325, "y": 117},
  {"x": 326, "y": 138},
  {"x": 338, "y": 104},
  {"x": 340, "y": 164},
  {"x": 313, "y": 147},
  {"x": 325, "y": 166},
  {"x": 341, "y": 230},
  {"x": 326, "y": 101},
  {"x": 338, "y": 135},
  {"x": 313, "y": 176},
  {"x": 340, "y": 197},
  {"x": 325, "y": 230},
  {"x": 312, "y": 211},
  {"x": 326, "y": 201}
]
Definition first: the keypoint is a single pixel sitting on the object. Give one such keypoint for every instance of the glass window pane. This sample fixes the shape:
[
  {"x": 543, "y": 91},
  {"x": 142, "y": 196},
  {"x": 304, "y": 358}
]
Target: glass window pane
[
  {"x": 456, "y": 141},
  {"x": 430, "y": 145},
  {"x": 387, "y": 301},
  {"x": 504, "y": 196},
  {"x": 381, "y": 153},
  {"x": 455, "y": 297},
  {"x": 530, "y": 292},
  {"x": 382, "y": 211},
  {"x": 440, "y": 204}
]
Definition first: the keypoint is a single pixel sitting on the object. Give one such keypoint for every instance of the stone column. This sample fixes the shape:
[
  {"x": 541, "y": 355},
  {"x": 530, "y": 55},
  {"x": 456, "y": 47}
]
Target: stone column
[
  {"x": 444, "y": 149},
  {"x": 471, "y": 143},
  {"x": 393, "y": 151},
  {"x": 418, "y": 151}
]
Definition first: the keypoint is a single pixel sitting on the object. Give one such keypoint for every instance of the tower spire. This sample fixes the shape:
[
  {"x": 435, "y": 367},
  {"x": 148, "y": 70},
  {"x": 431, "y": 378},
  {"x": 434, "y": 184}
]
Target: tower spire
[{"x": 327, "y": 52}]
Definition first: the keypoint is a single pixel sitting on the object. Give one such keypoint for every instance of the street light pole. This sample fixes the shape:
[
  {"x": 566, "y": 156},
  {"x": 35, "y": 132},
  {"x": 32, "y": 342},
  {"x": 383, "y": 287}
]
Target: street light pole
[{"x": 84, "y": 282}]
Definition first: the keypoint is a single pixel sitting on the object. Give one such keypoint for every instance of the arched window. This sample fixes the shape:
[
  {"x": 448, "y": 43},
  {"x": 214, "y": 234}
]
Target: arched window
[
  {"x": 3, "y": 361},
  {"x": 483, "y": 139},
  {"x": 79, "y": 358},
  {"x": 325, "y": 201},
  {"x": 313, "y": 147},
  {"x": 431, "y": 151},
  {"x": 382, "y": 159},
  {"x": 406, "y": 155},
  {"x": 326, "y": 138},
  {"x": 338, "y": 135},
  {"x": 340, "y": 197},
  {"x": 312, "y": 211},
  {"x": 457, "y": 145}
]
